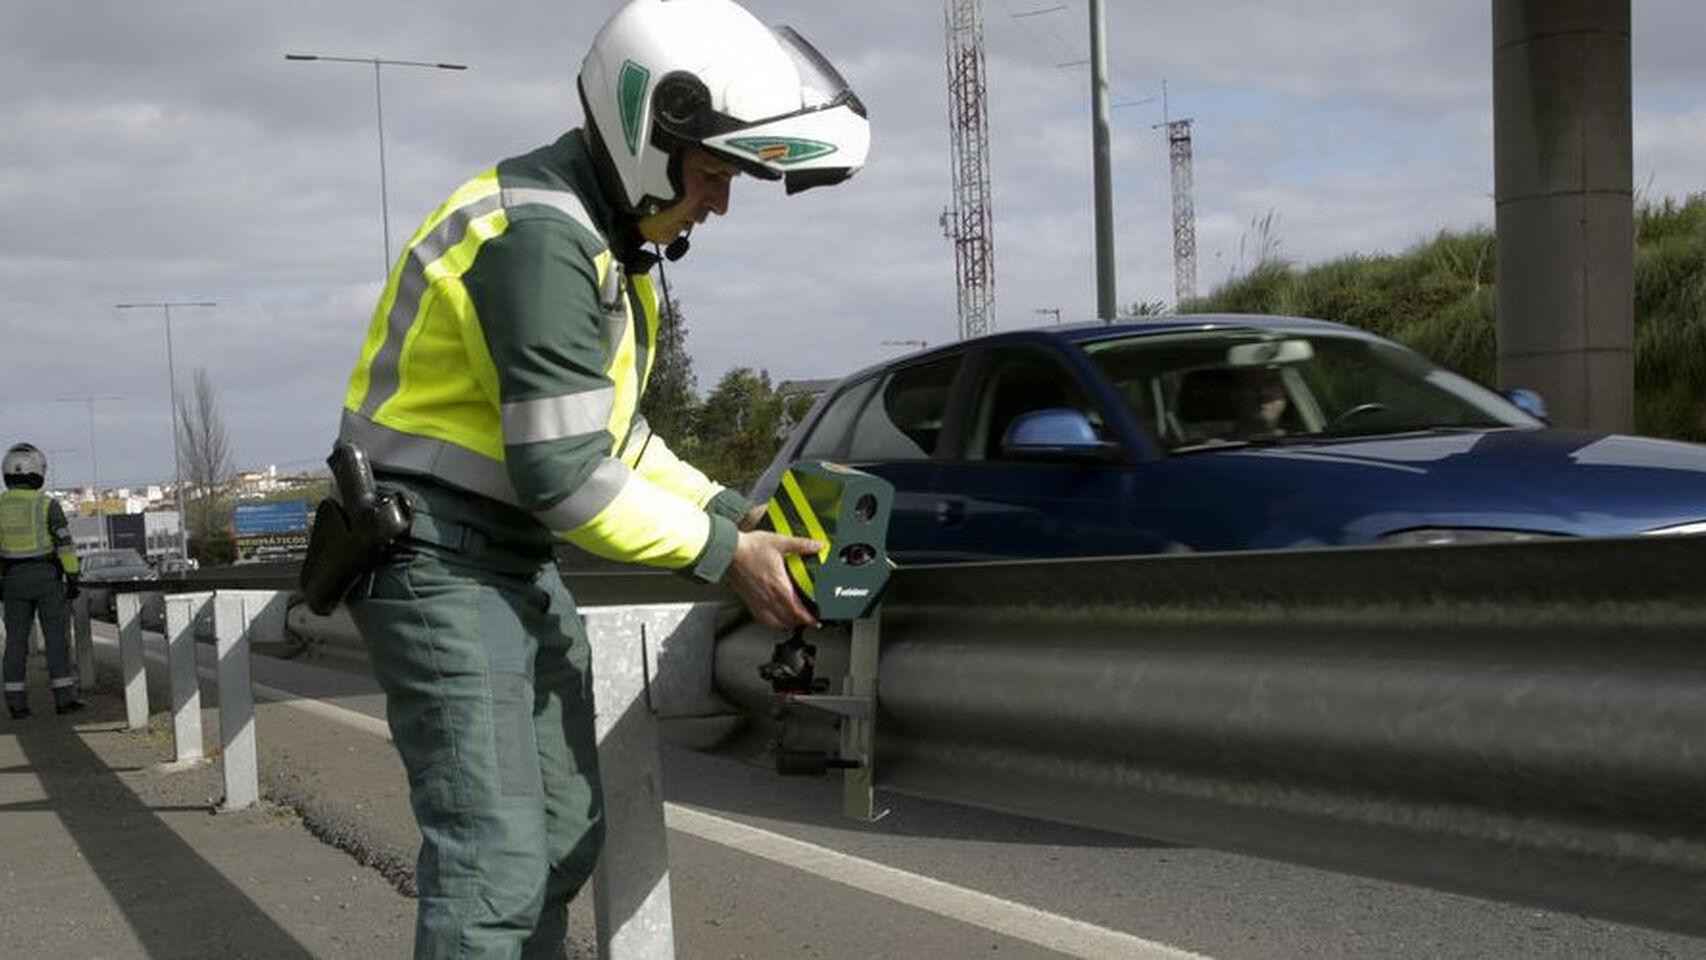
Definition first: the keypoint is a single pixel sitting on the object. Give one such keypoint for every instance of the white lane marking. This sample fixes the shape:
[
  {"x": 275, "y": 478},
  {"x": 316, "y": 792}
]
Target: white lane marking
[
  {"x": 1052, "y": 931},
  {"x": 1074, "y": 938}
]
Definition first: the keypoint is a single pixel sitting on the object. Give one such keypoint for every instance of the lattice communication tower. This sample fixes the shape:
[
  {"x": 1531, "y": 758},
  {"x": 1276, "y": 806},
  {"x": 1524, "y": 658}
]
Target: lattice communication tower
[
  {"x": 1184, "y": 211},
  {"x": 968, "y": 224}
]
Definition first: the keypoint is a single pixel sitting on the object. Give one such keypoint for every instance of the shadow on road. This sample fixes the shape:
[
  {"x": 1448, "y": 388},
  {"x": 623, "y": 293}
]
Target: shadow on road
[{"x": 170, "y": 896}]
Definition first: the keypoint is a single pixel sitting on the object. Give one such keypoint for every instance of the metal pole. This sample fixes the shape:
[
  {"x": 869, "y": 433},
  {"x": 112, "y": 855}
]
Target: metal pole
[
  {"x": 95, "y": 476},
  {"x": 177, "y": 464},
  {"x": 379, "y": 104},
  {"x": 1107, "y": 306},
  {"x": 88, "y": 399},
  {"x": 384, "y": 203},
  {"x": 171, "y": 374}
]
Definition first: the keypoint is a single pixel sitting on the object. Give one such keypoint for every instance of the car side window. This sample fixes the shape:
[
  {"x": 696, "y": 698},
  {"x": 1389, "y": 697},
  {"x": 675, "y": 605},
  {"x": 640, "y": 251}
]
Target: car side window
[
  {"x": 829, "y": 435},
  {"x": 904, "y": 420},
  {"x": 1021, "y": 380}
]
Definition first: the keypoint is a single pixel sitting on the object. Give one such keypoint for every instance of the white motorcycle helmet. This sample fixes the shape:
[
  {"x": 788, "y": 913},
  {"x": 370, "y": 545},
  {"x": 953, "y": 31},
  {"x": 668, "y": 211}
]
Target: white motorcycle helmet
[
  {"x": 663, "y": 75},
  {"x": 24, "y": 465}
]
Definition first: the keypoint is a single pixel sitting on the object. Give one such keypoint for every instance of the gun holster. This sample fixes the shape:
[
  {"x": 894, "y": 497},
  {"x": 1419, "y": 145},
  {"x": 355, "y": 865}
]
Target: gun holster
[{"x": 352, "y": 537}]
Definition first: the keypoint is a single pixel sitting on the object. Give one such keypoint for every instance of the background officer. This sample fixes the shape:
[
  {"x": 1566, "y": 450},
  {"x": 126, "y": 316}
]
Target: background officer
[
  {"x": 37, "y": 553},
  {"x": 497, "y": 392}
]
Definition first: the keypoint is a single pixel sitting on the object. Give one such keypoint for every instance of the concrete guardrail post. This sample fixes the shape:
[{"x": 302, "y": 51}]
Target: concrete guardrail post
[
  {"x": 239, "y": 616},
  {"x": 135, "y": 670},
  {"x": 84, "y": 647},
  {"x": 631, "y": 890},
  {"x": 182, "y": 610}
]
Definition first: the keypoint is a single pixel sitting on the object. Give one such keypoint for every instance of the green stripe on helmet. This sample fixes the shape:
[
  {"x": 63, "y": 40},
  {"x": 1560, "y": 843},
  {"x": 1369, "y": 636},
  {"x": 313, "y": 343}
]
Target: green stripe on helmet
[
  {"x": 631, "y": 87},
  {"x": 784, "y": 151}
]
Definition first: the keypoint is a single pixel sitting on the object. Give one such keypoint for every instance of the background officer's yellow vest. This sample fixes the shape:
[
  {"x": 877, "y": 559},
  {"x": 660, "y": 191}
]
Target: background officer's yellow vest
[{"x": 23, "y": 525}]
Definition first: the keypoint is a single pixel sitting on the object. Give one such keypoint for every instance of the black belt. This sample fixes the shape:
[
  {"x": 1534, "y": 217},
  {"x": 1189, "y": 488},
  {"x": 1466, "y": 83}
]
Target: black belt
[
  {"x": 7, "y": 563},
  {"x": 448, "y": 534}
]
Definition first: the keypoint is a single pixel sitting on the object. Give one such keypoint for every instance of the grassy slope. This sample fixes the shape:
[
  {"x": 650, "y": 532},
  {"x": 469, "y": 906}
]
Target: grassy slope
[{"x": 1438, "y": 298}]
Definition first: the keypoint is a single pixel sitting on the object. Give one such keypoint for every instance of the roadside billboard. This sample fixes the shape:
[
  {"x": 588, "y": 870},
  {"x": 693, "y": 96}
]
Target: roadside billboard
[
  {"x": 270, "y": 528},
  {"x": 128, "y": 531}
]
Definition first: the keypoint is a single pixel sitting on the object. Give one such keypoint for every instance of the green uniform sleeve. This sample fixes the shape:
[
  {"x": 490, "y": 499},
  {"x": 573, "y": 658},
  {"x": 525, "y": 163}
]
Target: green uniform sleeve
[
  {"x": 60, "y": 530},
  {"x": 535, "y": 289}
]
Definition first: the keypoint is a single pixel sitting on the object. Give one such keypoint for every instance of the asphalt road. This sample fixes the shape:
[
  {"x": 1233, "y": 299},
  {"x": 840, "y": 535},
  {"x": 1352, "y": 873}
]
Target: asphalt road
[{"x": 766, "y": 867}]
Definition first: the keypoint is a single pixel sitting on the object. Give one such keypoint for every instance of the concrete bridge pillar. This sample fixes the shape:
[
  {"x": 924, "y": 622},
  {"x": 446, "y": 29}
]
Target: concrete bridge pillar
[{"x": 1562, "y": 162}]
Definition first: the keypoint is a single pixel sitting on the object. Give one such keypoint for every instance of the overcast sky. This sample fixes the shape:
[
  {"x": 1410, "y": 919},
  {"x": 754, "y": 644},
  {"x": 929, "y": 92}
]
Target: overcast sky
[{"x": 166, "y": 150}]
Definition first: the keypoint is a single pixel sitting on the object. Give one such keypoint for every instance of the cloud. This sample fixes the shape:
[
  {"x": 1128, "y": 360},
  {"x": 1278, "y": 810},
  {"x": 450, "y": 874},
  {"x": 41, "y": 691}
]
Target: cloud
[{"x": 153, "y": 151}]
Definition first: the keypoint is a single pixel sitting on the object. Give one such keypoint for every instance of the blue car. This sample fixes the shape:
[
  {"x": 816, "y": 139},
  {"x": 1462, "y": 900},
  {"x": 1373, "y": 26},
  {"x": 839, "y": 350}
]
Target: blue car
[{"x": 1223, "y": 432}]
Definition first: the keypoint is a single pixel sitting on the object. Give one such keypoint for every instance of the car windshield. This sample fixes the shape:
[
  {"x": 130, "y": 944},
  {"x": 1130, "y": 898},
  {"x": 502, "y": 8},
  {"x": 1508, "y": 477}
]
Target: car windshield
[
  {"x": 110, "y": 559},
  {"x": 1202, "y": 390}
]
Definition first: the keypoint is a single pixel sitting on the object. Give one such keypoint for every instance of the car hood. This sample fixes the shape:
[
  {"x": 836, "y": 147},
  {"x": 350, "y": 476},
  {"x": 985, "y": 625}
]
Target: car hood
[
  {"x": 1557, "y": 481},
  {"x": 117, "y": 573}
]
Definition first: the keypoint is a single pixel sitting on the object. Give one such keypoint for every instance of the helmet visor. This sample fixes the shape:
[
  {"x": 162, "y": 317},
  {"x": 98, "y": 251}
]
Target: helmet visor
[
  {"x": 821, "y": 85},
  {"x": 823, "y": 142}
]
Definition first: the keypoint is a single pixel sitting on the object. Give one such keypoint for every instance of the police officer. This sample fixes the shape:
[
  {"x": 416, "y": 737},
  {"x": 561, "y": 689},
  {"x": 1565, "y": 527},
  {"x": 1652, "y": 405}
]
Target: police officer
[
  {"x": 496, "y": 392},
  {"x": 37, "y": 554}
]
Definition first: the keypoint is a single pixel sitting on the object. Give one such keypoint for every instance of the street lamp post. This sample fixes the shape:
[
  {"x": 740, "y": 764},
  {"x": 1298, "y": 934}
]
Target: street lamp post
[
  {"x": 172, "y": 376},
  {"x": 94, "y": 459},
  {"x": 379, "y": 104},
  {"x": 1107, "y": 304}
]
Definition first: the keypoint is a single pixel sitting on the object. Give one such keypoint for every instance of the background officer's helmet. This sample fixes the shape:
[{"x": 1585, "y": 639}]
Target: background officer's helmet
[{"x": 24, "y": 466}]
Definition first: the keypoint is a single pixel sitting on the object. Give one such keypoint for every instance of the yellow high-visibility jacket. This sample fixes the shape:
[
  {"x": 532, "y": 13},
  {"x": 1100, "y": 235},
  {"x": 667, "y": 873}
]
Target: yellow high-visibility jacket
[
  {"x": 33, "y": 525},
  {"x": 507, "y": 356}
]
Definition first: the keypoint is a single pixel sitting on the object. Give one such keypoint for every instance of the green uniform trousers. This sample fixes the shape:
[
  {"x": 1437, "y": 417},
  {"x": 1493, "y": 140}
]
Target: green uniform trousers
[
  {"x": 34, "y": 589},
  {"x": 488, "y": 685}
]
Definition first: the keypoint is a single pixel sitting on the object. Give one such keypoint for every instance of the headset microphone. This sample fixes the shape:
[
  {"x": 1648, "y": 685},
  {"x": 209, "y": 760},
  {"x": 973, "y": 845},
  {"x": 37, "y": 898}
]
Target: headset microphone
[{"x": 678, "y": 247}]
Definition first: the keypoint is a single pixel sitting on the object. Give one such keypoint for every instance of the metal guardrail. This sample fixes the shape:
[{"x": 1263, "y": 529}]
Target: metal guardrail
[
  {"x": 592, "y": 584},
  {"x": 1525, "y": 721},
  {"x": 236, "y": 617},
  {"x": 1522, "y": 722}
]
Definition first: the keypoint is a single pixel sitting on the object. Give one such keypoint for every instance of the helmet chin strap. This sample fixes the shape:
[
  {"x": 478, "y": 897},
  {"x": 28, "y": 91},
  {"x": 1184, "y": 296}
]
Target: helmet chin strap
[{"x": 666, "y": 312}]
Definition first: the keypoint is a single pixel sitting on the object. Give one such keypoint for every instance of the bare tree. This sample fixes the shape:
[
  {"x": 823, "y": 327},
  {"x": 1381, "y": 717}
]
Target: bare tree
[{"x": 205, "y": 450}]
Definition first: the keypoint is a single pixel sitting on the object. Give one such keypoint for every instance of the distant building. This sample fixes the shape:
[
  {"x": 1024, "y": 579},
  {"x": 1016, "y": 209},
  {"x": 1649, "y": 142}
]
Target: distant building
[
  {"x": 86, "y": 533},
  {"x": 152, "y": 534},
  {"x": 122, "y": 503},
  {"x": 257, "y": 483},
  {"x": 160, "y": 528}
]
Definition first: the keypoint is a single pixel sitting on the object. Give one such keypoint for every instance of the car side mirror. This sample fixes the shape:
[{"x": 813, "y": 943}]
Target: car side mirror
[
  {"x": 1529, "y": 402},
  {"x": 1057, "y": 433}
]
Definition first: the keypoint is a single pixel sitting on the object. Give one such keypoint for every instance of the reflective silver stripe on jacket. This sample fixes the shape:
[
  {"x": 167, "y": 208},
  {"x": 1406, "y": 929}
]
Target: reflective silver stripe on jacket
[
  {"x": 394, "y": 450},
  {"x": 553, "y": 418},
  {"x": 383, "y": 375},
  {"x": 598, "y": 491},
  {"x": 411, "y": 286},
  {"x": 563, "y": 201}
]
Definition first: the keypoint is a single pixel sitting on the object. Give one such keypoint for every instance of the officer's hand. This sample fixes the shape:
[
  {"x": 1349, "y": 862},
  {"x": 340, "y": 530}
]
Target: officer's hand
[
  {"x": 71, "y": 590},
  {"x": 759, "y": 575}
]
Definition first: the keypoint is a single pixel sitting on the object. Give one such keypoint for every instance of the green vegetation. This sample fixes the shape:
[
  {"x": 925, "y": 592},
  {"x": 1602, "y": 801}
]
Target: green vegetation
[
  {"x": 1438, "y": 298},
  {"x": 734, "y": 432}
]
